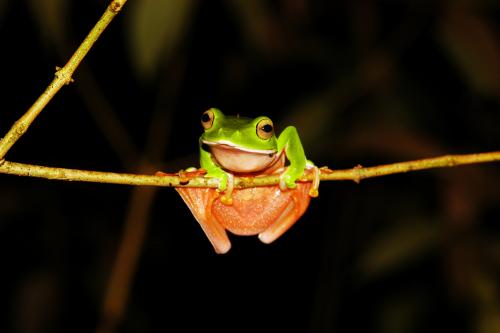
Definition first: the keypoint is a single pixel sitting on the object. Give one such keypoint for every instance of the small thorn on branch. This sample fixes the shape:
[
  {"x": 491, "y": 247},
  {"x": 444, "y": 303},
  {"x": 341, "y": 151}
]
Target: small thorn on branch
[
  {"x": 357, "y": 173},
  {"x": 62, "y": 74},
  {"x": 115, "y": 6}
]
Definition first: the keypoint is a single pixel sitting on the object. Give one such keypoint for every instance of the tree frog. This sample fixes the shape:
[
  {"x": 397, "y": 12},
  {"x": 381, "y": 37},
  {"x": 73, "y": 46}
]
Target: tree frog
[
  {"x": 241, "y": 145},
  {"x": 234, "y": 145}
]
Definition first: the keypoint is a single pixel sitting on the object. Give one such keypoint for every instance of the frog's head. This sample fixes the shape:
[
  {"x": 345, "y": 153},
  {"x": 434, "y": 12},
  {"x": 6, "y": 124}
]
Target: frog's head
[{"x": 239, "y": 144}]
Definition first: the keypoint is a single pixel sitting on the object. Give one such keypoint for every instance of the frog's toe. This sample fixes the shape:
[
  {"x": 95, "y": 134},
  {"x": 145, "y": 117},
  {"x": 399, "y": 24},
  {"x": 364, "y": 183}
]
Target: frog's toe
[
  {"x": 291, "y": 184},
  {"x": 222, "y": 182},
  {"x": 286, "y": 181},
  {"x": 222, "y": 186},
  {"x": 282, "y": 183},
  {"x": 314, "y": 191}
]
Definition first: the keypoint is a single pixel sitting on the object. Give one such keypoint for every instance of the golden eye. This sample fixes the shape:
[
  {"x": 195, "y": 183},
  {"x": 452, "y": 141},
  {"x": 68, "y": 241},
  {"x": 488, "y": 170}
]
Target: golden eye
[
  {"x": 265, "y": 129},
  {"x": 207, "y": 119}
]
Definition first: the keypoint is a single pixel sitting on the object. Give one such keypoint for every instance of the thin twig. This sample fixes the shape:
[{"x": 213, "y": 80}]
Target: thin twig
[
  {"x": 62, "y": 77},
  {"x": 359, "y": 173},
  {"x": 38, "y": 171},
  {"x": 355, "y": 174}
]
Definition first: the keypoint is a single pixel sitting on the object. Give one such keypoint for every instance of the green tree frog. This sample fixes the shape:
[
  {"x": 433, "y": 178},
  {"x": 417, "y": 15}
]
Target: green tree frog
[
  {"x": 233, "y": 145},
  {"x": 241, "y": 145}
]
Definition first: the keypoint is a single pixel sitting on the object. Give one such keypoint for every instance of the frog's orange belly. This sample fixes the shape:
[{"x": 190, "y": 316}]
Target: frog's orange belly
[{"x": 255, "y": 209}]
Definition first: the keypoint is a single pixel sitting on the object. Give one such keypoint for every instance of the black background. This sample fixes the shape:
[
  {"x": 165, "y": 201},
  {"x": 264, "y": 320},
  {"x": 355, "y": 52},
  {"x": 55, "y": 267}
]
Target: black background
[{"x": 364, "y": 82}]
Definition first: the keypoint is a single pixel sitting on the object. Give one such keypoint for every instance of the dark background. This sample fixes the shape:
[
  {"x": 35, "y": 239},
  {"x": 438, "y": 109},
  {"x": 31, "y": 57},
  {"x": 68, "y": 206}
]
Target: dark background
[{"x": 365, "y": 82}]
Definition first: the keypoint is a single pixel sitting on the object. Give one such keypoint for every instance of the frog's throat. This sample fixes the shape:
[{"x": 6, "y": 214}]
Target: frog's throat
[
  {"x": 242, "y": 160},
  {"x": 232, "y": 145}
]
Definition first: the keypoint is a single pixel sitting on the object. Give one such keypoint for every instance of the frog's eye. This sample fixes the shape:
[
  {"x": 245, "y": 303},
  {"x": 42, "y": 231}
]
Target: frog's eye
[
  {"x": 265, "y": 129},
  {"x": 207, "y": 119}
]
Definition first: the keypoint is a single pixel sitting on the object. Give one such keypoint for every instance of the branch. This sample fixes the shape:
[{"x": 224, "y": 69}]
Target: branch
[
  {"x": 62, "y": 77},
  {"x": 175, "y": 180},
  {"x": 358, "y": 173}
]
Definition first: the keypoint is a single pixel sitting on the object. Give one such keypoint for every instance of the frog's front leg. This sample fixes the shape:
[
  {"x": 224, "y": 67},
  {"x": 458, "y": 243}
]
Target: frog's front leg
[
  {"x": 213, "y": 169},
  {"x": 289, "y": 141},
  {"x": 226, "y": 179}
]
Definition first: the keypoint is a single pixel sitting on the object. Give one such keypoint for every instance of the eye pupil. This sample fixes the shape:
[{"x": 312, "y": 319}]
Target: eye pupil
[
  {"x": 267, "y": 128},
  {"x": 205, "y": 118}
]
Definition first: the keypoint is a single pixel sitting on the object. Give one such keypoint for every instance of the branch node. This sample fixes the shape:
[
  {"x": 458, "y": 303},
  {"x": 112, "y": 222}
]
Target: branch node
[
  {"x": 62, "y": 74},
  {"x": 357, "y": 173},
  {"x": 115, "y": 7},
  {"x": 20, "y": 127},
  {"x": 451, "y": 160}
]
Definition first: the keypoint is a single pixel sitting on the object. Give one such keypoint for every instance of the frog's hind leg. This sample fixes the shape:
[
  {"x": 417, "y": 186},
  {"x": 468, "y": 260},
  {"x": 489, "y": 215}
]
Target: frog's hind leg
[
  {"x": 199, "y": 201},
  {"x": 290, "y": 214}
]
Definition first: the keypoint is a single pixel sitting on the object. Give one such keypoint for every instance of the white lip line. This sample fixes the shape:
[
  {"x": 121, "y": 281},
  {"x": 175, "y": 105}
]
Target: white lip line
[{"x": 232, "y": 145}]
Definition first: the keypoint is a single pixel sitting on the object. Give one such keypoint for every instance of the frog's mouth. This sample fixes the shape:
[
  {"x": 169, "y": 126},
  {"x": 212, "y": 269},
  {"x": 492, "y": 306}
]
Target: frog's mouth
[{"x": 239, "y": 159}]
